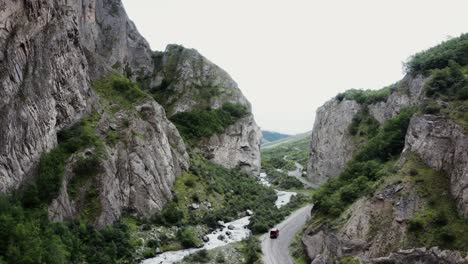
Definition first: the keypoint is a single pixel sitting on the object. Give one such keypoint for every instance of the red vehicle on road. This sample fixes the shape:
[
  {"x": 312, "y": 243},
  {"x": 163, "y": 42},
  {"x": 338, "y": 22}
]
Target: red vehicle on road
[{"x": 274, "y": 233}]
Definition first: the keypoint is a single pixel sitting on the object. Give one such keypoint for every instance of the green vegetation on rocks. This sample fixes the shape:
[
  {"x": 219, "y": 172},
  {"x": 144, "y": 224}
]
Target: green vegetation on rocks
[
  {"x": 119, "y": 91},
  {"x": 366, "y": 97},
  {"x": 198, "y": 124},
  {"x": 439, "y": 57},
  {"x": 229, "y": 192},
  {"x": 438, "y": 223},
  {"x": 46, "y": 185},
  {"x": 368, "y": 166},
  {"x": 29, "y": 237},
  {"x": 364, "y": 125}
]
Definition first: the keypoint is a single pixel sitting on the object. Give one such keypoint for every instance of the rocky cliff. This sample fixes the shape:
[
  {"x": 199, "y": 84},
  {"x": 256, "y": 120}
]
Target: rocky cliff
[
  {"x": 332, "y": 144},
  {"x": 398, "y": 157},
  {"x": 184, "y": 81},
  {"x": 52, "y": 55},
  {"x": 443, "y": 145}
]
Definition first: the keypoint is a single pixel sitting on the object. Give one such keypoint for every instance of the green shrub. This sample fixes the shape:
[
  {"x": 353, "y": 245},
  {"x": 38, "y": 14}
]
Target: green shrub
[
  {"x": 438, "y": 57},
  {"x": 251, "y": 249},
  {"x": 85, "y": 169},
  {"x": 449, "y": 83},
  {"x": 220, "y": 258},
  {"x": 171, "y": 214},
  {"x": 431, "y": 108},
  {"x": 364, "y": 124},
  {"x": 119, "y": 90},
  {"x": 46, "y": 185},
  {"x": 365, "y": 97},
  {"x": 438, "y": 222},
  {"x": 198, "y": 124},
  {"x": 29, "y": 237},
  {"x": 188, "y": 237}
]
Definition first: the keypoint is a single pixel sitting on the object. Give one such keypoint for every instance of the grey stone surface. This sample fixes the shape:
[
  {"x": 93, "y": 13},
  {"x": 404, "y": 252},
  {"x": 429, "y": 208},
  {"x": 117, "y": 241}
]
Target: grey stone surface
[
  {"x": 189, "y": 81},
  {"x": 44, "y": 84},
  {"x": 443, "y": 145},
  {"x": 331, "y": 145},
  {"x": 138, "y": 172},
  {"x": 237, "y": 147}
]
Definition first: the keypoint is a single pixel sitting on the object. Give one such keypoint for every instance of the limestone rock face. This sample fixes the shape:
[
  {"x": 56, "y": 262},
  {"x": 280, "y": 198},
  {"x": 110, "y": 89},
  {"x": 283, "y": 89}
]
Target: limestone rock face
[
  {"x": 51, "y": 50},
  {"x": 184, "y": 81},
  {"x": 408, "y": 93},
  {"x": 110, "y": 37},
  {"x": 44, "y": 83},
  {"x": 331, "y": 145},
  {"x": 189, "y": 81},
  {"x": 237, "y": 147},
  {"x": 443, "y": 145},
  {"x": 137, "y": 173}
]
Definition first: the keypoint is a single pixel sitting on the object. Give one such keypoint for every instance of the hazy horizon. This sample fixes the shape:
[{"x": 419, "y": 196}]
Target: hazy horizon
[{"x": 291, "y": 57}]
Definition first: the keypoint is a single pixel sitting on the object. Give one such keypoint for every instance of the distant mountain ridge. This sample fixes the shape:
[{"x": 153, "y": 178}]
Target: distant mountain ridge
[{"x": 269, "y": 136}]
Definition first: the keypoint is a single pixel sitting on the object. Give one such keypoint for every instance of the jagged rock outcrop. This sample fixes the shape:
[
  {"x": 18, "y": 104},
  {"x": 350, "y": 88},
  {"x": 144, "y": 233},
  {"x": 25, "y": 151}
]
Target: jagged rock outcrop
[
  {"x": 137, "y": 173},
  {"x": 237, "y": 147},
  {"x": 372, "y": 227},
  {"x": 110, "y": 37},
  {"x": 183, "y": 81},
  {"x": 408, "y": 92},
  {"x": 332, "y": 146},
  {"x": 186, "y": 80},
  {"x": 443, "y": 145}
]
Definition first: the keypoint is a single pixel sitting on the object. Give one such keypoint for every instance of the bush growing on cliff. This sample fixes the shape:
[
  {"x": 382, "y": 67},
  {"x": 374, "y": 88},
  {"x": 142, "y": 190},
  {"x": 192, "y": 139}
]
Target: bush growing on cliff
[
  {"x": 438, "y": 223},
  {"x": 52, "y": 165},
  {"x": 365, "y": 97},
  {"x": 119, "y": 90},
  {"x": 363, "y": 124},
  {"x": 198, "y": 124},
  {"x": 365, "y": 168},
  {"x": 449, "y": 83},
  {"x": 438, "y": 57}
]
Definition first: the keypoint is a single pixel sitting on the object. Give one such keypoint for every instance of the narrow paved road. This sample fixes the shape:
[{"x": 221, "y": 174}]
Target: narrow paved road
[
  {"x": 276, "y": 251},
  {"x": 298, "y": 175}
]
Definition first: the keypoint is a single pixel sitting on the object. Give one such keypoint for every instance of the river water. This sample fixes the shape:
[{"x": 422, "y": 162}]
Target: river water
[{"x": 238, "y": 233}]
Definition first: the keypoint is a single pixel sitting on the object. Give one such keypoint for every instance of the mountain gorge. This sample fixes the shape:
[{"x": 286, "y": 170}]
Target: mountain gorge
[{"x": 115, "y": 153}]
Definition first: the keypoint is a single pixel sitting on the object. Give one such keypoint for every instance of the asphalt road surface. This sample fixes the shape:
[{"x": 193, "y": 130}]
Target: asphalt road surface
[{"x": 275, "y": 251}]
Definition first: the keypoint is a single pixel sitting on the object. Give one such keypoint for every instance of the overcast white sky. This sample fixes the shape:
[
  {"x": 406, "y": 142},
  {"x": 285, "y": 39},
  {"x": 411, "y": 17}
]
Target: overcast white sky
[{"x": 290, "y": 57}]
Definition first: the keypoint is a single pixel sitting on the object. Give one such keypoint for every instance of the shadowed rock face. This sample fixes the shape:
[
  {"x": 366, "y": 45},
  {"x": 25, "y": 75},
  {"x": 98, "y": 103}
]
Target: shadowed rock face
[{"x": 44, "y": 83}]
